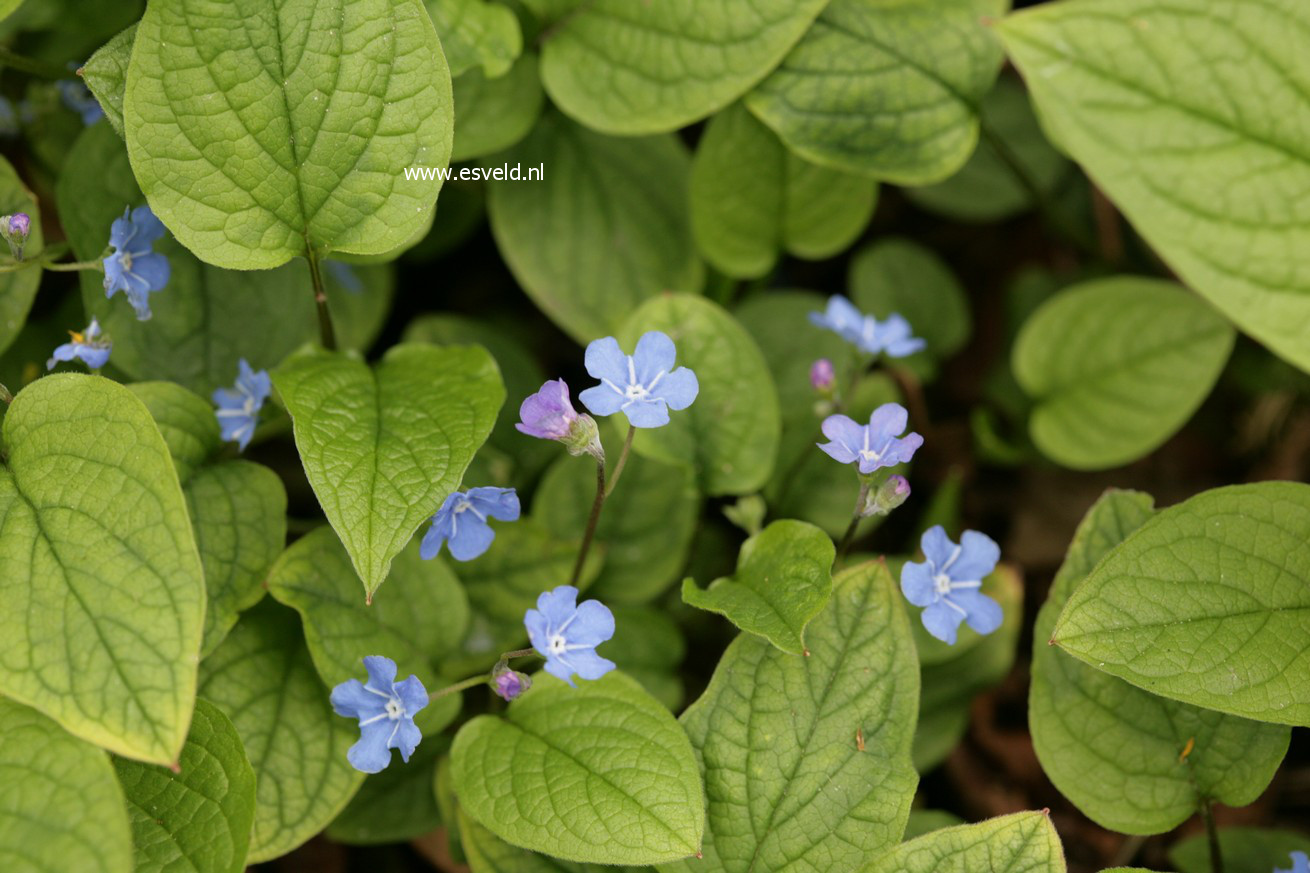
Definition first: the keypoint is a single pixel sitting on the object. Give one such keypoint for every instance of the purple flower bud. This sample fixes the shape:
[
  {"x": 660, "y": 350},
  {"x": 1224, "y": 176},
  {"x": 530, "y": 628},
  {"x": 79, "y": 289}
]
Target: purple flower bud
[
  {"x": 509, "y": 685},
  {"x": 20, "y": 224},
  {"x": 548, "y": 414},
  {"x": 822, "y": 375},
  {"x": 890, "y": 494}
]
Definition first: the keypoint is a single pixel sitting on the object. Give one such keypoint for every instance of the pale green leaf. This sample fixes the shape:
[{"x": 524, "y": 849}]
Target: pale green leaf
[
  {"x": 730, "y": 434},
  {"x": 101, "y": 584},
  {"x": 263, "y": 679},
  {"x": 986, "y": 188},
  {"x": 779, "y": 738},
  {"x": 633, "y": 68},
  {"x": 397, "y": 804},
  {"x": 605, "y": 229},
  {"x": 1131, "y": 761},
  {"x": 487, "y": 853},
  {"x": 1211, "y": 177},
  {"x": 18, "y": 289},
  {"x": 1117, "y": 366},
  {"x": 383, "y": 447},
  {"x": 888, "y": 88},
  {"x": 198, "y": 819},
  {"x": 646, "y": 526},
  {"x": 285, "y": 126},
  {"x": 476, "y": 33},
  {"x": 105, "y": 74},
  {"x": 423, "y": 616},
  {"x": 783, "y": 580},
  {"x": 1025, "y": 842},
  {"x": 494, "y": 114},
  {"x": 1254, "y": 849},
  {"x": 600, "y": 773},
  {"x": 205, "y": 319},
  {"x": 752, "y": 199},
  {"x": 238, "y": 509},
  {"x": 1208, "y": 602},
  {"x": 61, "y": 808}
]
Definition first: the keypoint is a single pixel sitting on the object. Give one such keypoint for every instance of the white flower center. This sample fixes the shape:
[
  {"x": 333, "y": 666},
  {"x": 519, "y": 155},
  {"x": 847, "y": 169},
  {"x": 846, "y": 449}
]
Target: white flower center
[
  {"x": 943, "y": 583},
  {"x": 126, "y": 260},
  {"x": 395, "y": 709},
  {"x": 635, "y": 392},
  {"x": 558, "y": 645}
]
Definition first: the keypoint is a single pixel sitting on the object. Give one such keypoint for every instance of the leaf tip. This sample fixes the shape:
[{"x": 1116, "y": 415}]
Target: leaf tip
[{"x": 176, "y": 767}]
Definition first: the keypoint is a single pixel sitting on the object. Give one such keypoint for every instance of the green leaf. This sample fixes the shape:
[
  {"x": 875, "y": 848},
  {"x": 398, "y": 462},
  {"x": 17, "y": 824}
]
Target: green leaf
[
  {"x": 986, "y": 189},
  {"x": 1256, "y": 849},
  {"x": 238, "y": 509},
  {"x": 495, "y": 114},
  {"x": 600, "y": 773},
  {"x": 198, "y": 819},
  {"x": 925, "y": 821},
  {"x": 475, "y": 33},
  {"x": 397, "y": 804},
  {"x": 730, "y": 434},
  {"x": 646, "y": 526},
  {"x": 62, "y": 808},
  {"x": 281, "y": 128},
  {"x": 205, "y": 319},
  {"x": 785, "y": 732},
  {"x": 105, "y": 74},
  {"x": 1207, "y": 603},
  {"x": 1209, "y": 181},
  {"x": 898, "y": 275},
  {"x": 263, "y": 679},
  {"x": 605, "y": 229},
  {"x": 651, "y": 652},
  {"x": 783, "y": 580},
  {"x": 101, "y": 583},
  {"x": 525, "y": 560},
  {"x": 630, "y": 68},
  {"x": 487, "y": 853},
  {"x": 751, "y": 199},
  {"x": 1131, "y": 761},
  {"x": 1024, "y": 841},
  {"x": 887, "y": 89},
  {"x": 1117, "y": 366},
  {"x": 383, "y": 447},
  {"x": 423, "y": 617},
  {"x": 18, "y": 289}
]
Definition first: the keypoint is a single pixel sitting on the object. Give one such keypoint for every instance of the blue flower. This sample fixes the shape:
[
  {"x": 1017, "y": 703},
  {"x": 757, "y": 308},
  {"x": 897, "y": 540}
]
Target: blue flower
[
  {"x": 133, "y": 267},
  {"x": 874, "y": 445},
  {"x": 644, "y": 386},
  {"x": 385, "y": 709},
  {"x": 78, "y": 97},
  {"x": 462, "y": 522},
  {"x": 948, "y": 583},
  {"x": 238, "y": 407},
  {"x": 566, "y": 633},
  {"x": 1300, "y": 864},
  {"x": 893, "y": 336},
  {"x": 87, "y": 347}
]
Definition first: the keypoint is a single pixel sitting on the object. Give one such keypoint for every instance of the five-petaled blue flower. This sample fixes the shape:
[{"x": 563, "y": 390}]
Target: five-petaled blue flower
[
  {"x": 1300, "y": 864},
  {"x": 462, "y": 522},
  {"x": 133, "y": 267},
  {"x": 948, "y": 583},
  {"x": 644, "y": 386},
  {"x": 873, "y": 445},
  {"x": 238, "y": 407},
  {"x": 893, "y": 336},
  {"x": 87, "y": 347},
  {"x": 566, "y": 633},
  {"x": 385, "y": 709}
]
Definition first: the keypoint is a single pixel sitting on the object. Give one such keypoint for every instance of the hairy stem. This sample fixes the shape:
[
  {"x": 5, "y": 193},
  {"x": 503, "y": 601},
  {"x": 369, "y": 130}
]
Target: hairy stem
[
  {"x": 594, "y": 519},
  {"x": 855, "y": 521},
  {"x": 326, "y": 334},
  {"x": 623, "y": 460},
  {"x": 474, "y": 681}
]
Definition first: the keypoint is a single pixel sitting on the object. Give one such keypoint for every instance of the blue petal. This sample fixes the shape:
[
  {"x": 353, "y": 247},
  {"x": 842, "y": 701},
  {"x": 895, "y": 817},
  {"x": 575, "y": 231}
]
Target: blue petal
[
  {"x": 115, "y": 275},
  {"x": 538, "y": 630},
  {"x": 846, "y": 432},
  {"x": 602, "y": 400},
  {"x": 94, "y": 357},
  {"x": 560, "y": 670},
  {"x": 558, "y": 605},
  {"x": 678, "y": 389},
  {"x": 978, "y": 556},
  {"x": 843, "y": 314},
  {"x": 838, "y": 452},
  {"x": 593, "y": 625},
  {"x": 937, "y": 547},
  {"x": 372, "y": 754},
  {"x": 655, "y": 354},
  {"x": 501, "y": 503},
  {"x": 984, "y": 614},
  {"x": 647, "y": 413},
  {"x": 887, "y": 422},
  {"x": 148, "y": 227},
  {"x": 121, "y": 231},
  {"x": 226, "y": 398},
  {"x": 472, "y": 537},
  {"x": 153, "y": 269},
  {"x": 430, "y": 547},
  {"x": 902, "y": 450},
  {"x": 381, "y": 673},
  {"x": 605, "y": 360},
  {"x": 353, "y": 700},
  {"x": 587, "y": 664},
  {"x": 942, "y": 621},
  {"x": 66, "y": 352},
  {"x": 917, "y": 583},
  {"x": 406, "y": 737},
  {"x": 904, "y": 348},
  {"x": 138, "y": 294}
]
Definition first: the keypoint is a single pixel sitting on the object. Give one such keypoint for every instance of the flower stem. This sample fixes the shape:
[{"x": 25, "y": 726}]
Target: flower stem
[
  {"x": 596, "y": 506},
  {"x": 474, "y": 681},
  {"x": 855, "y": 520},
  {"x": 326, "y": 334},
  {"x": 75, "y": 265},
  {"x": 623, "y": 459},
  {"x": 1212, "y": 836}
]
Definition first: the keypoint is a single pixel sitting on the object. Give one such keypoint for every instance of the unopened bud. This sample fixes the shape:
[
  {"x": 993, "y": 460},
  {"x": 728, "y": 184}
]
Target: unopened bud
[
  {"x": 510, "y": 684},
  {"x": 822, "y": 376},
  {"x": 584, "y": 438},
  {"x": 888, "y": 496},
  {"x": 15, "y": 228}
]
